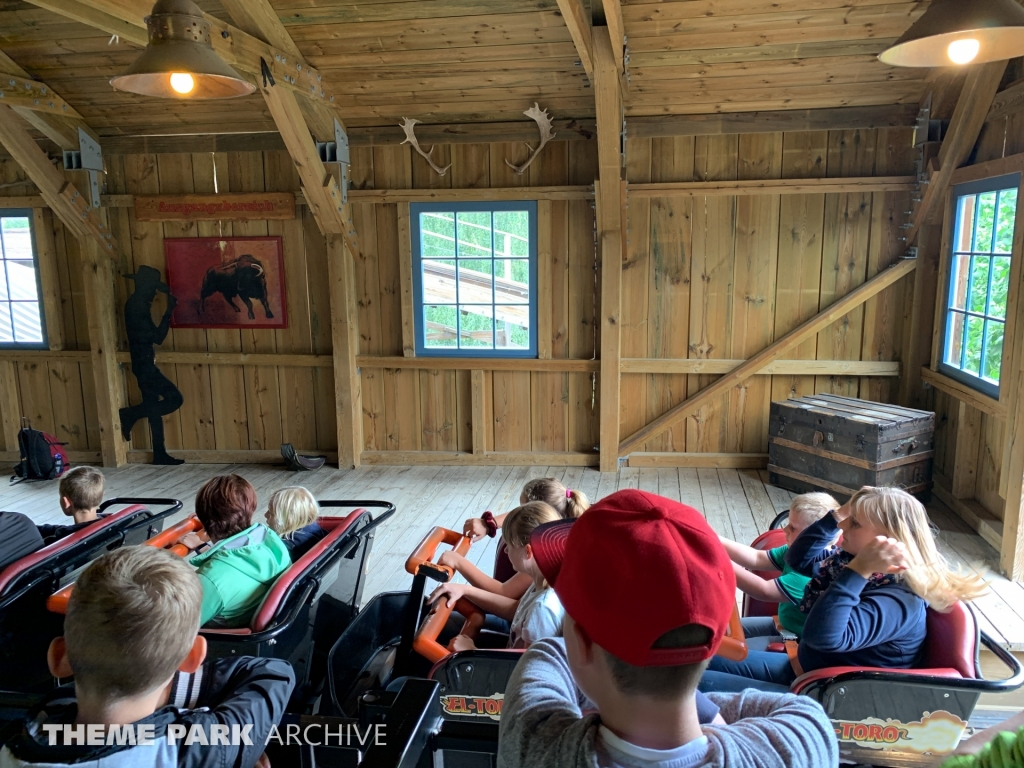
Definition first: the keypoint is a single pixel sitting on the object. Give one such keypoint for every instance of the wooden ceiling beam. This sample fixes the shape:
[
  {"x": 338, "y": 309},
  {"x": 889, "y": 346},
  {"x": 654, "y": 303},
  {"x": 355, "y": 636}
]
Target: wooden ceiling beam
[
  {"x": 616, "y": 31},
  {"x": 578, "y": 21},
  {"x": 60, "y": 128}
]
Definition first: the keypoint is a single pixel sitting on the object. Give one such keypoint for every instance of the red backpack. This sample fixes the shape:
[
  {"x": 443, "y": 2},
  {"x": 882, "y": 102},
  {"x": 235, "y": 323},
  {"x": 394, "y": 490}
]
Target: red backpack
[{"x": 42, "y": 455}]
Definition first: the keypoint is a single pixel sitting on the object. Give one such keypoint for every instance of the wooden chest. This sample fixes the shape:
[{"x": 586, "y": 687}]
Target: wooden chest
[{"x": 838, "y": 444}]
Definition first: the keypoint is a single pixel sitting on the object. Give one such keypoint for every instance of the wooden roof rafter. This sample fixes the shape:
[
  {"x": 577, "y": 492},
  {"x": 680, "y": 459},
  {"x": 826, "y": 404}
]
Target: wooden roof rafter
[{"x": 59, "y": 125}]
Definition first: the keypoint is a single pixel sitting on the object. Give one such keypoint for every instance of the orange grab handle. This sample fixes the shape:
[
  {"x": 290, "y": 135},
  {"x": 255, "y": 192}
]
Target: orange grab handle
[
  {"x": 58, "y": 601},
  {"x": 426, "y": 644},
  {"x": 734, "y": 645},
  {"x": 423, "y": 555}
]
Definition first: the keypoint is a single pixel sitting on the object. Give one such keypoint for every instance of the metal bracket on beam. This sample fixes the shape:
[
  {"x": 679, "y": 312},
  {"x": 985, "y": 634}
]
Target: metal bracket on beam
[
  {"x": 910, "y": 253},
  {"x": 88, "y": 157},
  {"x": 337, "y": 151}
]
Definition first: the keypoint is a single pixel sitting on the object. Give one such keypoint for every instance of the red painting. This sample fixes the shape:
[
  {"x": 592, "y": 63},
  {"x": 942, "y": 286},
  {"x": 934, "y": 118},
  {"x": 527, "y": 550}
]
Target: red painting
[{"x": 226, "y": 282}]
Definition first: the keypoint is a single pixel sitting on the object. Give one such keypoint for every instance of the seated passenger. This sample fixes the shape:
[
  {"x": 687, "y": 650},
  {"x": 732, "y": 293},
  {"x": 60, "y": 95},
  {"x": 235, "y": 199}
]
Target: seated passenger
[
  {"x": 866, "y": 602},
  {"x": 81, "y": 493},
  {"x": 292, "y": 514},
  {"x": 19, "y": 537},
  {"x": 788, "y": 588},
  {"x": 568, "y": 503},
  {"x": 537, "y": 614},
  {"x": 245, "y": 559},
  {"x": 648, "y": 592},
  {"x": 130, "y": 642}
]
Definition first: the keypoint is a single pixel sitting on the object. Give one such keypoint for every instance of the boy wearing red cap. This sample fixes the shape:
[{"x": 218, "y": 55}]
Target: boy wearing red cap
[{"x": 648, "y": 591}]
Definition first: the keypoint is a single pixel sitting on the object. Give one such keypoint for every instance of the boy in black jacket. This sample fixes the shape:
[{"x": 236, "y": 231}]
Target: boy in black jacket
[{"x": 131, "y": 643}]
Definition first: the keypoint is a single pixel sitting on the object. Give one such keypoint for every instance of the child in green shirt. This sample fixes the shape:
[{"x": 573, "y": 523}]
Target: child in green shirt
[{"x": 787, "y": 589}]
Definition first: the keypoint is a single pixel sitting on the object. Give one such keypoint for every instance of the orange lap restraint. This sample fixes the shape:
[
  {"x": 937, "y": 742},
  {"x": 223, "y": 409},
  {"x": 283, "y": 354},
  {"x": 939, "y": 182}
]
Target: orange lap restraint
[{"x": 58, "y": 601}]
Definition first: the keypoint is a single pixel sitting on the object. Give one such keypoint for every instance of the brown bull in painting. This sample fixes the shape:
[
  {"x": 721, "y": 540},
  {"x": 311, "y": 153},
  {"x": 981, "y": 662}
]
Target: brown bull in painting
[{"x": 243, "y": 278}]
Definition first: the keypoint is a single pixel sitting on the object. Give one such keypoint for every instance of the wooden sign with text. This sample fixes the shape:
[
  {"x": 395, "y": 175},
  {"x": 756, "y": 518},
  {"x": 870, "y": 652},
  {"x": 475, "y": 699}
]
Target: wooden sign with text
[{"x": 232, "y": 207}]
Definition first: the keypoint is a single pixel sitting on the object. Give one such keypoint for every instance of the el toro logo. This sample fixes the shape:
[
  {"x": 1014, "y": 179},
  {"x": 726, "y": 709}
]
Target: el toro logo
[
  {"x": 474, "y": 706},
  {"x": 879, "y": 734}
]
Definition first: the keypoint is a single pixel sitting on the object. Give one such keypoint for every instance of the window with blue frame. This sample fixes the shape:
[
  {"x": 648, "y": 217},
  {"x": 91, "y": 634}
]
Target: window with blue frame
[
  {"x": 21, "y": 312},
  {"x": 475, "y": 278},
  {"x": 979, "y": 280}
]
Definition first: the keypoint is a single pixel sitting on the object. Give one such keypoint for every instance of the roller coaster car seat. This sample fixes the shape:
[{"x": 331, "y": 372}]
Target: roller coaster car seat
[
  {"x": 310, "y": 605},
  {"x": 26, "y": 627},
  {"x": 904, "y": 713},
  {"x": 770, "y": 539}
]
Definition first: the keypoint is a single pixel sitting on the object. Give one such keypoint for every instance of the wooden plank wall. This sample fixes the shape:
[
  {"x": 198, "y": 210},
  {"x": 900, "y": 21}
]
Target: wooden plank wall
[
  {"x": 982, "y": 432},
  {"x": 226, "y": 408},
  {"x": 722, "y": 277}
]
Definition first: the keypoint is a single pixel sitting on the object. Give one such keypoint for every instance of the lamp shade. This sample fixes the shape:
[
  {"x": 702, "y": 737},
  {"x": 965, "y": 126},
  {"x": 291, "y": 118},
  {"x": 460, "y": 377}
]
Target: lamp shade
[
  {"x": 960, "y": 32},
  {"x": 179, "y": 61}
]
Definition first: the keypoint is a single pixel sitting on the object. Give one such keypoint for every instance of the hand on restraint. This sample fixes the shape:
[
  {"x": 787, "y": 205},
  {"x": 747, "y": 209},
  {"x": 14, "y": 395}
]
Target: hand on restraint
[
  {"x": 451, "y": 558},
  {"x": 453, "y": 591},
  {"x": 192, "y": 541},
  {"x": 474, "y": 528},
  {"x": 461, "y": 643},
  {"x": 883, "y": 555}
]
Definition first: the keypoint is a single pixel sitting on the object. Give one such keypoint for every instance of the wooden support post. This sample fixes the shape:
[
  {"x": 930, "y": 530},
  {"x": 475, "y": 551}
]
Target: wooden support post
[
  {"x": 99, "y": 306},
  {"x": 772, "y": 352},
  {"x": 46, "y": 258},
  {"x": 405, "y": 280},
  {"x": 965, "y": 462},
  {"x": 544, "y": 277},
  {"x": 610, "y": 204},
  {"x": 479, "y": 416},
  {"x": 10, "y": 410},
  {"x": 345, "y": 340}
]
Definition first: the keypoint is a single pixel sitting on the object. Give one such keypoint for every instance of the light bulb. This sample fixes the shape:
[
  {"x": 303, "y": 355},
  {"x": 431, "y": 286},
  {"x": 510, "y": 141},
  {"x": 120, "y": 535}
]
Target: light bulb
[
  {"x": 963, "y": 51},
  {"x": 182, "y": 82}
]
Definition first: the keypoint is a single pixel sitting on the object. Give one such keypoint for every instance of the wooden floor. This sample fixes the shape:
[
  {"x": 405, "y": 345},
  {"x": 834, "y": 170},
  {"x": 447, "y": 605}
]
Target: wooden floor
[{"x": 738, "y": 503}]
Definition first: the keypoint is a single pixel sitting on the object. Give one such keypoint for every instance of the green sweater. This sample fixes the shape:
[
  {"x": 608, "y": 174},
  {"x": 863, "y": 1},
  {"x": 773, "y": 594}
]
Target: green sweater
[
  {"x": 237, "y": 572},
  {"x": 1006, "y": 750}
]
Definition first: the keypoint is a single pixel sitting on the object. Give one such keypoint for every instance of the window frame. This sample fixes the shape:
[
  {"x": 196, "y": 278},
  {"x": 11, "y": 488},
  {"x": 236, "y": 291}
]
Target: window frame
[
  {"x": 419, "y": 329},
  {"x": 45, "y": 343}
]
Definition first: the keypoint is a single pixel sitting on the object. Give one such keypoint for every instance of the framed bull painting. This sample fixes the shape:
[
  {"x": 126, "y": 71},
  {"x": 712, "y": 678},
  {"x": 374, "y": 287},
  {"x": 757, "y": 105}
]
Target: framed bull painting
[{"x": 226, "y": 282}]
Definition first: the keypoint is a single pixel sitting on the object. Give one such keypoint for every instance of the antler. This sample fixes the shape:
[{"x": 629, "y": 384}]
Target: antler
[
  {"x": 546, "y": 135},
  {"x": 409, "y": 126}
]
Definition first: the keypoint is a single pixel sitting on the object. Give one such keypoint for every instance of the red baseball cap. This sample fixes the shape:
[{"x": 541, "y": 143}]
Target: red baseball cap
[
  {"x": 548, "y": 544},
  {"x": 637, "y": 565}
]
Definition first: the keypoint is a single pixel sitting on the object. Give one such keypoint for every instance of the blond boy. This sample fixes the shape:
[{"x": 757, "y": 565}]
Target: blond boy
[
  {"x": 81, "y": 493},
  {"x": 132, "y": 646}
]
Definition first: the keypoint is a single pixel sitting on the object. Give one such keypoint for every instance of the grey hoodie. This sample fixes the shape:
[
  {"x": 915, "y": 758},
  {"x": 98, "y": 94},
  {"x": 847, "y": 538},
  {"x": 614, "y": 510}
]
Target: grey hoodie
[{"x": 542, "y": 725}]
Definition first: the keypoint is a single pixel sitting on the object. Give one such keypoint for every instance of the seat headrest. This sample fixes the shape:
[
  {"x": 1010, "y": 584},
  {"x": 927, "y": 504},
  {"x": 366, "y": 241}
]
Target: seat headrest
[
  {"x": 770, "y": 539},
  {"x": 952, "y": 641}
]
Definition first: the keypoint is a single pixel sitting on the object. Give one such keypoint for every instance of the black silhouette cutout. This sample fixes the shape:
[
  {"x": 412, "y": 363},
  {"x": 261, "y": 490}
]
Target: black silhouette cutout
[
  {"x": 159, "y": 395},
  {"x": 244, "y": 277}
]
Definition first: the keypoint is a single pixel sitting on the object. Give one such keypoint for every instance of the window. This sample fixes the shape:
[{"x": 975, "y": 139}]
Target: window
[
  {"x": 979, "y": 280},
  {"x": 21, "y": 315},
  {"x": 475, "y": 278}
]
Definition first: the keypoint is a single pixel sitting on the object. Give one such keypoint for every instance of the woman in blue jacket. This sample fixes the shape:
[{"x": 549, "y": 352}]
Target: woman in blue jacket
[{"x": 866, "y": 602}]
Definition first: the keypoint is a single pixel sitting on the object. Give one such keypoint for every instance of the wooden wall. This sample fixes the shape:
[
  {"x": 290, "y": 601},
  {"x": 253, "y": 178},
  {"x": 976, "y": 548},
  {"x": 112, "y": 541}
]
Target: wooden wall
[{"x": 705, "y": 277}]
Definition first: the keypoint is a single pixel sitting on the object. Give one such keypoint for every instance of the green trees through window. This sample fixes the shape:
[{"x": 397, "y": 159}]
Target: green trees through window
[{"x": 979, "y": 281}]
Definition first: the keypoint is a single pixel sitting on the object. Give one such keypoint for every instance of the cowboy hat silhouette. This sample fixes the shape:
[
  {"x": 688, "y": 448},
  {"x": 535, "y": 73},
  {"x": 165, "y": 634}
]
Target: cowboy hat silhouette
[{"x": 147, "y": 277}]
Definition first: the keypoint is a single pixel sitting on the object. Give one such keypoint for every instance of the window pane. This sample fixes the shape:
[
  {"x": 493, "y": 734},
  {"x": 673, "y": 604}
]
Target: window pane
[
  {"x": 476, "y": 327},
  {"x": 1000, "y": 286},
  {"x": 1004, "y": 226},
  {"x": 979, "y": 283},
  {"x": 17, "y": 238},
  {"x": 440, "y": 326},
  {"x": 21, "y": 280},
  {"x": 27, "y": 325},
  {"x": 986, "y": 218},
  {"x": 474, "y": 230},
  {"x": 438, "y": 282},
  {"x": 972, "y": 349},
  {"x": 437, "y": 235},
  {"x": 6, "y": 332},
  {"x": 512, "y": 327},
  {"x": 512, "y": 233},
  {"x": 961, "y": 270},
  {"x": 475, "y": 286},
  {"x": 965, "y": 222},
  {"x": 512, "y": 281},
  {"x": 993, "y": 350}
]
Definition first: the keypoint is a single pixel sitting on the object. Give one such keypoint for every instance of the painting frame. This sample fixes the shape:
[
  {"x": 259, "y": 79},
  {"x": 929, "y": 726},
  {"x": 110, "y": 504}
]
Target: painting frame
[{"x": 217, "y": 282}]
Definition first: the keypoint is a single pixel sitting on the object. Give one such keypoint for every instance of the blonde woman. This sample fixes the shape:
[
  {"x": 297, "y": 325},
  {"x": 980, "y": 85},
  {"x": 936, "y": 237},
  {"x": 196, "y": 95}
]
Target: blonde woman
[
  {"x": 866, "y": 603},
  {"x": 535, "y": 615},
  {"x": 293, "y": 514}
]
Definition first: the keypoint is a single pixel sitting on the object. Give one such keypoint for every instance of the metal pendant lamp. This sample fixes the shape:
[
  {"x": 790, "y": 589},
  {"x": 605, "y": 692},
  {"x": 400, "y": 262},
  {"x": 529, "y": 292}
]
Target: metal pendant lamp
[
  {"x": 179, "y": 61},
  {"x": 957, "y": 32}
]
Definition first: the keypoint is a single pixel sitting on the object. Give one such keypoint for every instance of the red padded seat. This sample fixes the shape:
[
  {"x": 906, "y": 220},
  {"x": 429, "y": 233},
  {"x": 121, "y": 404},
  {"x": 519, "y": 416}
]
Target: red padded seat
[
  {"x": 265, "y": 615},
  {"x": 767, "y": 540},
  {"x": 9, "y": 574}
]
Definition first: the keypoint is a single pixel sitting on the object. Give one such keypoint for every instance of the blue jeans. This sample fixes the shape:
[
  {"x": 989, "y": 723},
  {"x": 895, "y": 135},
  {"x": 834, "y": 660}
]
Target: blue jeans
[
  {"x": 759, "y": 631},
  {"x": 763, "y": 670}
]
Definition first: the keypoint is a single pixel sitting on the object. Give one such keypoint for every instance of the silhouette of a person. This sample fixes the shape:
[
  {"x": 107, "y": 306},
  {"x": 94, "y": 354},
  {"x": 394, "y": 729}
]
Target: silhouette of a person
[{"x": 159, "y": 395}]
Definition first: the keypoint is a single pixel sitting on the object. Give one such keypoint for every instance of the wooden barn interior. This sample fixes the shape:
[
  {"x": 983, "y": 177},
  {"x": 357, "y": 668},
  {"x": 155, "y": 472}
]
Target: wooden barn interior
[{"x": 740, "y": 203}]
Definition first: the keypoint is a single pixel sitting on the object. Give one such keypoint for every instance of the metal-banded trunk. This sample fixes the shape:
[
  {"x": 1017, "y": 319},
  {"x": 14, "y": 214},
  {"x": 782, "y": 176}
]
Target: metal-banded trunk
[{"x": 838, "y": 444}]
